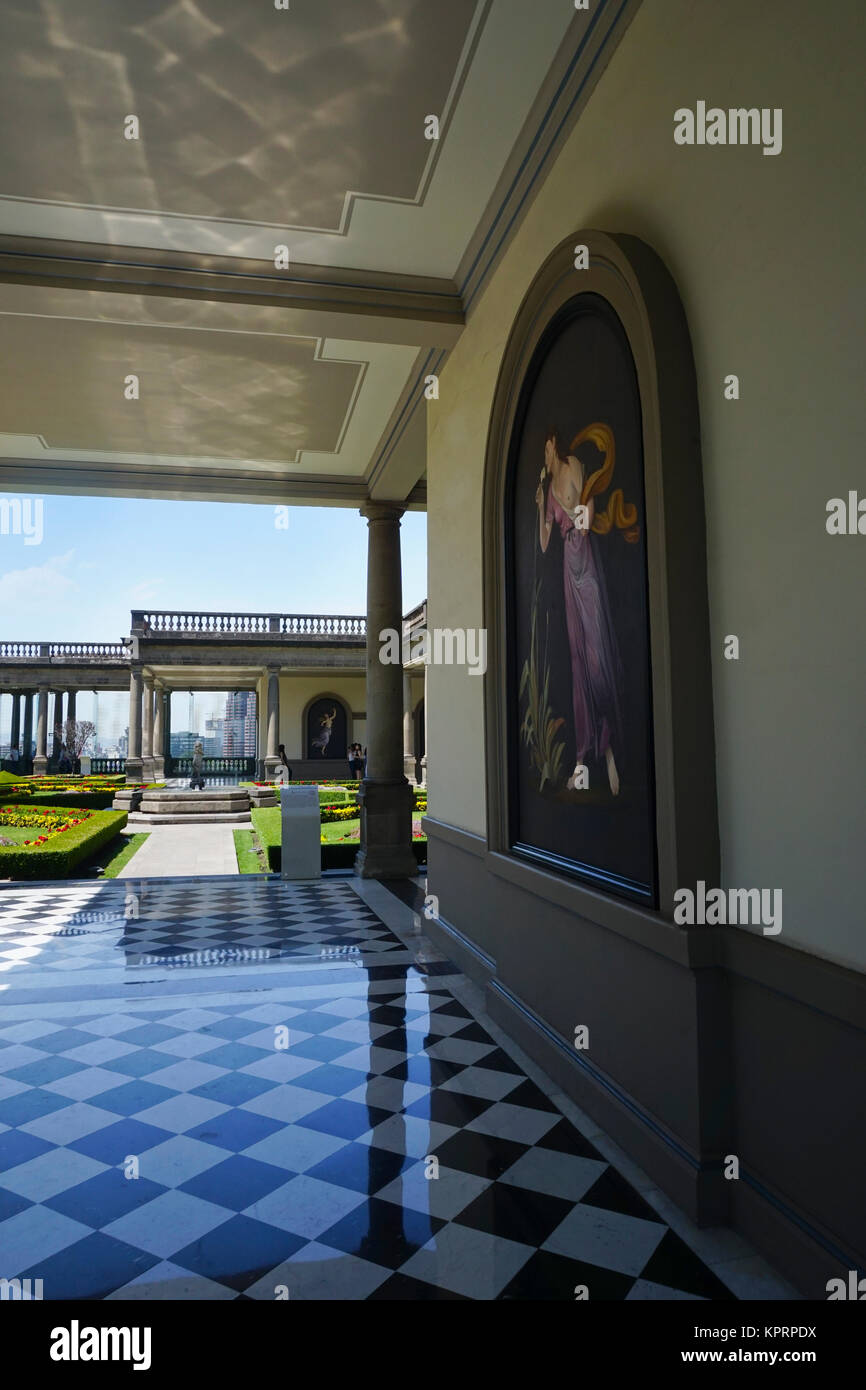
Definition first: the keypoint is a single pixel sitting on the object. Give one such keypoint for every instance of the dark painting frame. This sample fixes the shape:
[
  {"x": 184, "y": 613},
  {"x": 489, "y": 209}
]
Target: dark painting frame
[
  {"x": 604, "y": 838},
  {"x": 639, "y": 290}
]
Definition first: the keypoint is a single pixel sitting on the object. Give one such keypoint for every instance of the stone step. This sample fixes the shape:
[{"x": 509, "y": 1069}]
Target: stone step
[
  {"x": 204, "y": 806},
  {"x": 205, "y": 818}
]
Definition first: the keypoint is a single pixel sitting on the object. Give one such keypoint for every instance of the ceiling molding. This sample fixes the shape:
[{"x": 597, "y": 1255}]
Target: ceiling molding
[
  {"x": 68, "y": 478},
  {"x": 587, "y": 48},
  {"x": 424, "y": 311},
  {"x": 388, "y": 466}
]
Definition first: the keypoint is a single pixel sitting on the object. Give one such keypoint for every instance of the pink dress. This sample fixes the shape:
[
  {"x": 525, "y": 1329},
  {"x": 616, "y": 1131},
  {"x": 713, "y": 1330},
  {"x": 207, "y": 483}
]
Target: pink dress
[{"x": 594, "y": 657}]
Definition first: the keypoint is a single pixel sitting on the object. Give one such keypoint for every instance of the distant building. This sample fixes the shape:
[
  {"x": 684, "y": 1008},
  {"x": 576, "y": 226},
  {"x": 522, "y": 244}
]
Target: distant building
[
  {"x": 182, "y": 743},
  {"x": 213, "y": 740},
  {"x": 239, "y": 725}
]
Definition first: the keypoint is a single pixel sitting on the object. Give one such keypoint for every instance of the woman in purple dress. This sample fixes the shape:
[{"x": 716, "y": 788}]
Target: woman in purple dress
[
  {"x": 323, "y": 738},
  {"x": 566, "y": 498}
]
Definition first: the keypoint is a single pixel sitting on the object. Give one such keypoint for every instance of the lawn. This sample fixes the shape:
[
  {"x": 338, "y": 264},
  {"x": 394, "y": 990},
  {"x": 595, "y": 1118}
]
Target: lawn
[
  {"x": 118, "y": 854},
  {"x": 19, "y": 834},
  {"x": 340, "y": 839},
  {"x": 249, "y": 854}
]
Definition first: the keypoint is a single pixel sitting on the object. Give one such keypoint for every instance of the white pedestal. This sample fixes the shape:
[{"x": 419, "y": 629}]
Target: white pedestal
[{"x": 301, "y": 833}]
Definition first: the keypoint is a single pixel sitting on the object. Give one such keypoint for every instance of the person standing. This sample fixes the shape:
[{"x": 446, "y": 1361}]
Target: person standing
[{"x": 284, "y": 772}]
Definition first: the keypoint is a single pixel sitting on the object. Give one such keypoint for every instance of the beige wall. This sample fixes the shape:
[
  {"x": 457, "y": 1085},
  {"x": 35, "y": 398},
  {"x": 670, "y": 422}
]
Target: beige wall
[
  {"x": 767, "y": 254},
  {"x": 296, "y": 692}
]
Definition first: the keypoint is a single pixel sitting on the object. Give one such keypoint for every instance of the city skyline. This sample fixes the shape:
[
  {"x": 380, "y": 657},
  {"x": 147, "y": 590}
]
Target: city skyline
[{"x": 191, "y": 711}]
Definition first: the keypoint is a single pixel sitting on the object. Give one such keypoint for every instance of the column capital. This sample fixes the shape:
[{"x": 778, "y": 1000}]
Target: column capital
[{"x": 382, "y": 511}]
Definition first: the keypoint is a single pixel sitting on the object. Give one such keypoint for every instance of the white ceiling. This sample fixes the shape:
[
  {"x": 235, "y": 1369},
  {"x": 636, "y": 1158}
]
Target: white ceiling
[{"x": 258, "y": 128}]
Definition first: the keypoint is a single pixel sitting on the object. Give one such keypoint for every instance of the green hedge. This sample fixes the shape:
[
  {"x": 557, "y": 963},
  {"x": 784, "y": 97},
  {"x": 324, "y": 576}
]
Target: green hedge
[
  {"x": 62, "y": 852},
  {"x": 90, "y": 801}
]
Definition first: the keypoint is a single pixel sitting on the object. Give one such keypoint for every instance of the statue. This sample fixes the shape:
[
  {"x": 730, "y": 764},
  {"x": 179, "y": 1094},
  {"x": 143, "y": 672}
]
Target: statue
[{"x": 197, "y": 779}]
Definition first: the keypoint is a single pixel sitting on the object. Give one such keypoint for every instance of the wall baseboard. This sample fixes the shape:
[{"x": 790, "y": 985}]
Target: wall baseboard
[{"x": 743, "y": 1047}]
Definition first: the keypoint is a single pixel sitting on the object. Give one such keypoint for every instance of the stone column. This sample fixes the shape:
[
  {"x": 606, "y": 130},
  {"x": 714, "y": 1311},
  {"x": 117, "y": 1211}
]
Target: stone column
[
  {"x": 147, "y": 730},
  {"x": 408, "y": 729},
  {"x": 386, "y": 797},
  {"x": 57, "y": 726},
  {"x": 40, "y": 761},
  {"x": 272, "y": 757},
  {"x": 134, "y": 763},
  {"x": 70, "y": 714},
  {"x": 27, "y": 739},
  {"x": 158, "y": 759},
  {"x": 166, "y": 746},
  {"x": 15, "y": 730}
]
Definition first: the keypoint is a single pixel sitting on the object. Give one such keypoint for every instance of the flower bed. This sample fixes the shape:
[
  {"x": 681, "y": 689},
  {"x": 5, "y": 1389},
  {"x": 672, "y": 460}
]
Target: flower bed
[
  {"x": 64, "y": 838},
  {"x": 93, "y": 793},
  {"x": 330, "y": 814},
  {"x": 46, "y": 821}
]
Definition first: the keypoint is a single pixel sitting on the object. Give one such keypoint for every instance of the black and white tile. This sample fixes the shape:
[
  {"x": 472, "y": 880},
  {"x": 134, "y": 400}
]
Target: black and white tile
[{"x": 325, "y": 1117}]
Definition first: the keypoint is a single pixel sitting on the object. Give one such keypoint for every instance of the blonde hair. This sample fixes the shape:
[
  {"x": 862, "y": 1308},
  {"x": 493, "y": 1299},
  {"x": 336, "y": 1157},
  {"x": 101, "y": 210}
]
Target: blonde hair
[{"x": 618, "y": 513}]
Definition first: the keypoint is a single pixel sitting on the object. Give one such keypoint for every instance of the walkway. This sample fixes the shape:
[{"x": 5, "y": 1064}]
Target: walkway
[
  {"x": 220, "y": 1089},
  {"x": 174, "y": 851}
]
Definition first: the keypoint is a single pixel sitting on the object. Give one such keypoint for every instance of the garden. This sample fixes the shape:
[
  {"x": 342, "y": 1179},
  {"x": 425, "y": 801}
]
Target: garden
[
  {"x": 50, "y": 841},
  {"x": 259, "y": 850}
]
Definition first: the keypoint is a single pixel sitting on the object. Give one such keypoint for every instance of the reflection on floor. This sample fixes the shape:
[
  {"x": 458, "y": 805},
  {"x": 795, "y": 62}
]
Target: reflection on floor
[{"x": 220, "y": 1089}]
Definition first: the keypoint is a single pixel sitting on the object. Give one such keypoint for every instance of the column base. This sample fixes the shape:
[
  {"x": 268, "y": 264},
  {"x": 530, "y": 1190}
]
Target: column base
[
  {"x": 410, "y": 769},
  {"x": 157, "y": 769},
  {"x": 386, "y": 831},
  {"x": 423, "y": 781},
  {"x": 135, "y": 770},
  {"x": 40, "y": 767},
  {"x": 272, "y": 764}
]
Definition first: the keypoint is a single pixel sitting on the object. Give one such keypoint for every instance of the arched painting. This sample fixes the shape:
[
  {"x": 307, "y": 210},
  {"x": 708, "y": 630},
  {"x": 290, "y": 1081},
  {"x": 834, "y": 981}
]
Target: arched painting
[
  {"x": 580, "y": 718},
  {"x": 326, "y": 729}
]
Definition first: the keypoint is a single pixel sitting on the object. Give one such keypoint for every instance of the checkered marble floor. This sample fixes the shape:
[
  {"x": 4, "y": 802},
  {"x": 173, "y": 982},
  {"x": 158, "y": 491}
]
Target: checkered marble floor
[{"x": 226, "y": 1089}]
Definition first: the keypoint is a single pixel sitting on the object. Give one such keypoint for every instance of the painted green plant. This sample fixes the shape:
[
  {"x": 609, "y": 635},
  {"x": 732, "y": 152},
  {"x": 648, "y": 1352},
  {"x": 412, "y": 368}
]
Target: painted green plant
[{"x": 540, "y": 727}]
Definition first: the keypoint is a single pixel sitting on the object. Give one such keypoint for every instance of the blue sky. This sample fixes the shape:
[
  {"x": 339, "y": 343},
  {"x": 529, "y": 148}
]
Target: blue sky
[{"x": 100, "y": 557}]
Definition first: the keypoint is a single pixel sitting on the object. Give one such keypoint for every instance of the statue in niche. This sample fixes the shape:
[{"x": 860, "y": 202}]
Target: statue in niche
[{"x": 323, "y": 737}]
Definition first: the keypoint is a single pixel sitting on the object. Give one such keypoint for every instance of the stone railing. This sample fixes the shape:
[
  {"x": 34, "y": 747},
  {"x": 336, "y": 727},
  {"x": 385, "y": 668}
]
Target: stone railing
[
  {"x": 181, "y": 766},
  {"x": 64, "y": 651},
  {"x": 106, "y": 766},
  {"x": 186, "y": 624}
]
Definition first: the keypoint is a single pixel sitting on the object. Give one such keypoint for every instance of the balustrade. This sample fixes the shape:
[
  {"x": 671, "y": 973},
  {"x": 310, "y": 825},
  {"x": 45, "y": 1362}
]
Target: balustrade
[
  {"x": 181, "y": 623},
  {"x": 98, "y": 652}
]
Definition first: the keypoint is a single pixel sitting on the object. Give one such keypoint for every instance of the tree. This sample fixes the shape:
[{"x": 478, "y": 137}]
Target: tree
[{"x": 77, "y": 734}]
